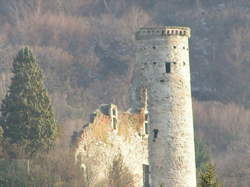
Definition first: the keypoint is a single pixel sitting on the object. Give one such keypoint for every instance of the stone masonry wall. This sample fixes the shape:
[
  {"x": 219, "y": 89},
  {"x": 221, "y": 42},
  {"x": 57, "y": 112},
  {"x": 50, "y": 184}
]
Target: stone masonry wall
[
  {"x": 100, "y": 144},
  {"x": 163, "y": 61}
]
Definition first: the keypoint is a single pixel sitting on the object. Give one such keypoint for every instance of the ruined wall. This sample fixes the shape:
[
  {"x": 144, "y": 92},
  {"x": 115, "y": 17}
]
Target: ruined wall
[
  {"x": 161, "y": 71},
  {"x": 163, "y": 61},
  {"x": 100, "y": 143}
]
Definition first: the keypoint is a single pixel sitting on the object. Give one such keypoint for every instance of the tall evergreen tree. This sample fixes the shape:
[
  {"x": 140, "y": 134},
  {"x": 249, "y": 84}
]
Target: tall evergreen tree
[{"x": 27, "y": 117}]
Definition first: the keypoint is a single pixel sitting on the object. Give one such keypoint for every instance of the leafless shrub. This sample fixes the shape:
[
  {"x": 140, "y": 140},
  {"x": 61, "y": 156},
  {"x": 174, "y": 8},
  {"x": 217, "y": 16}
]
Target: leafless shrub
[
  {"x": 119, "y": 174},
  {"x": 225, "y": 129}
]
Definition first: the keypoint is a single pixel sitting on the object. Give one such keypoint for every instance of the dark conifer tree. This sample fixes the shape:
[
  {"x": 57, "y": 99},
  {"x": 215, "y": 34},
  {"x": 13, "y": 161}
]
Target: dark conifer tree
[
  {"x": 208, "y": 177},
  {"x": 27, "y": 117}
]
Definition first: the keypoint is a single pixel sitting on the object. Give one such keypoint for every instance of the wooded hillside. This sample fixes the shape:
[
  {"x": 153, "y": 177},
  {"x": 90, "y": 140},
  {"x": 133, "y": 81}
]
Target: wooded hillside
[{"x": 86, "y": 50}]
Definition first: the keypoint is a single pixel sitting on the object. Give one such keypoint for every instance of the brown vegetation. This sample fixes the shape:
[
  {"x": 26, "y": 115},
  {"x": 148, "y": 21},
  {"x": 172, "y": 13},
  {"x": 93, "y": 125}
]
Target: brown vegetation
[
  {"x": 119, "y": 175},
  {"x": 225, "y": 129},
  {"x": 86, "y": 49},
  {"x": 58, "y": 168}
]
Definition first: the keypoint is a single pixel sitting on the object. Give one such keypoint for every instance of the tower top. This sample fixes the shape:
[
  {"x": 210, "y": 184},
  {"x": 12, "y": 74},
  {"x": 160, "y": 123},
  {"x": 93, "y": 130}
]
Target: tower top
[{"x": 161, "y": 32}]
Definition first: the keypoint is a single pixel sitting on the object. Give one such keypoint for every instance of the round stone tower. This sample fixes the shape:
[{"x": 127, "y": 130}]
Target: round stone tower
[{"x": 163, "y": 61}]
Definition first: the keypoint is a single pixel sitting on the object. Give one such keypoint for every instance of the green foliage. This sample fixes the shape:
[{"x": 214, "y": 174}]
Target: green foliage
[
  {"x": 13, "y": 173},
  {"x": 67, "y": 37},
  {"x": 201, "y": 153},
  {"x": 58, "y": 168},
  {"x": 206, "y": 172},
  {"x": 208, "y": 177},
  {"x": 1, "y": 142},
  {"x": 1, "y": 134},
  {"x": 27, "y": 116}
]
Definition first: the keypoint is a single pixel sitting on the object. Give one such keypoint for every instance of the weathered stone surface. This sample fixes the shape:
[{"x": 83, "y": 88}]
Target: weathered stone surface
[
  {"x": 163, "y": 65},
  {"x": 100, "y": 143},
  {"x": 161, "y": 89}
]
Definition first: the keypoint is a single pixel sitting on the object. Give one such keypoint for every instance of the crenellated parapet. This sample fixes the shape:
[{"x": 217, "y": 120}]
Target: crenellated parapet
[
  {"x": 161, "y": 32},
  {"x": 162, "y": 59}
]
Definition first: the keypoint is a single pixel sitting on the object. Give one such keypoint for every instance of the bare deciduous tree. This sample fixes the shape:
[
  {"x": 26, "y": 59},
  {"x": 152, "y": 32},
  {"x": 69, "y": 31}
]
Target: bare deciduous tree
[{"x": 119, "y": 174}]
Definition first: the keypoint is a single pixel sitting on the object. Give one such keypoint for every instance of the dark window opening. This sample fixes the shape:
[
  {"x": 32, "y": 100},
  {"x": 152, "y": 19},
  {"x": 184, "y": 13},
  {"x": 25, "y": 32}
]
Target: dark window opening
[
  {"x": 92, "y": 117},
  {"x": 146, "y": 127},
  {"x": 154, "y": 63},
  {"x": 155, "y": 134},
  {"x": 184, "y": 63},
  {"x": 145, "y": 175},
  {"x": 114, "y": 124},
  {"x": 114, "y": 112},
  {"x": 168, "y": 67},
  {"x": 161, "y": 80},
  {"x": 183, "y": 47},
  {"x": 154, "y": 47},
  {"x": 174, "y": 47},
  {"x": 146, "y": 117}
]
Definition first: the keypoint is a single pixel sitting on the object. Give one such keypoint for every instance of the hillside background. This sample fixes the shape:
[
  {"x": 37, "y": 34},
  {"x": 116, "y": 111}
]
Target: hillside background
[{"x": 86, "y": 50}]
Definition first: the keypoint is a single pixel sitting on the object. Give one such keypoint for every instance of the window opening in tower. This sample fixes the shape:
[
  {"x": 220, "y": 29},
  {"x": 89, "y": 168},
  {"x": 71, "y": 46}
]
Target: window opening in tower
[
  {"x": 114, "y": 123},
  {"x": 146, "y": 127},
  {"x": 155, "y": 134},
  {"x": 168, "y": 67},
  {"x": 114, "y": 112}
]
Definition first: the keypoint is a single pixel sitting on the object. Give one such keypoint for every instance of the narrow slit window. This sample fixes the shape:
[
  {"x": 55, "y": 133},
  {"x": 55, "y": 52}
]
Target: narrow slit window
[
  {"x": 146, "y": 117},
  {"x": 146, "y": 127},
  {"x": 114, "y": 123},
  {"x": 168, "y": 67},
  {"x": 114, "y": 112},
  {"x": 156, "y": 131},
  {"x": 146, "y": 175}
]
